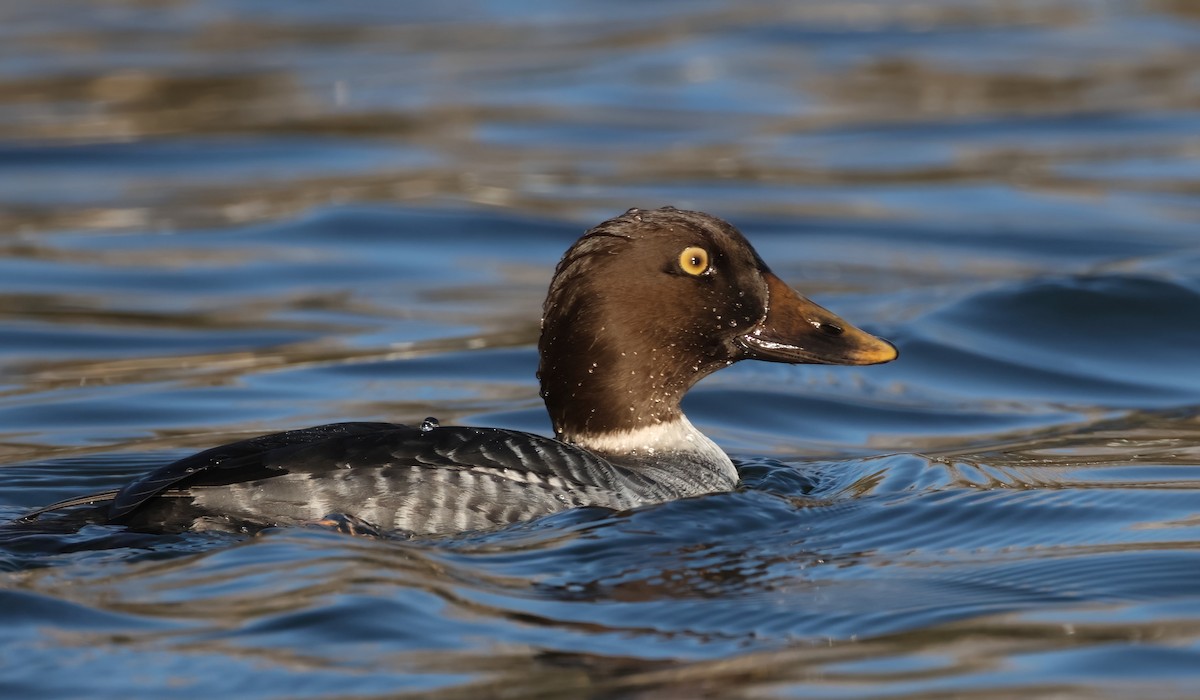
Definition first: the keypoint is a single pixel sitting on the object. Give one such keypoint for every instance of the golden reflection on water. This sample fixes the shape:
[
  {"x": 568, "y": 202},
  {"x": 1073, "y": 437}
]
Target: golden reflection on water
[
  {"x": 427, "y": 87},
  {"x": 475, "y": 112},
  {"x": 188, "y": 592},
  {"x": 229, "y": 77}
]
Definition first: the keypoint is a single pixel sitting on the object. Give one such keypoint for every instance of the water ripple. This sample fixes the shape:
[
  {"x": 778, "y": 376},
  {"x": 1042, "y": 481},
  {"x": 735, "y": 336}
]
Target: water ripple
[{"x": 223, "y": 218}]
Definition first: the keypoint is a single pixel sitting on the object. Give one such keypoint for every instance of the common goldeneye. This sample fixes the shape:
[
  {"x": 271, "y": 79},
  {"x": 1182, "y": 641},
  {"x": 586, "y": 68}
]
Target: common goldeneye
[{"x": 640, "y": 308}]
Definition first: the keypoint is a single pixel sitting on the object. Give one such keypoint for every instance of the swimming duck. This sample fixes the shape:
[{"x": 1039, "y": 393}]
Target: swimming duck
[{"x": 640, "y": 308}]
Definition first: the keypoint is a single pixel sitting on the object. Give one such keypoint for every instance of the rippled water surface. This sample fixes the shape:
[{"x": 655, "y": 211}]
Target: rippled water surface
[{"x": 223, "y": 217}]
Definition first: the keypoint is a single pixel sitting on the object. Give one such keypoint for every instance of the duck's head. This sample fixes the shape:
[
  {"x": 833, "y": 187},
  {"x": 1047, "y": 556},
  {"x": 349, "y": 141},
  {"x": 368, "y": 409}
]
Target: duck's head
[{"x": 646, "y": 304}]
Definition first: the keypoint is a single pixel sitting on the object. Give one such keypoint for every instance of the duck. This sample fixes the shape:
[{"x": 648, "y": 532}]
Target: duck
[{"x": 639, "y": 309}]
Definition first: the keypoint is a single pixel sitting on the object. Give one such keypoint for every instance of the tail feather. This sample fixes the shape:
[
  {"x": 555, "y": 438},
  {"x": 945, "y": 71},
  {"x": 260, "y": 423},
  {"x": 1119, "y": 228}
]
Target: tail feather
[{"x": 88, "y": 500}]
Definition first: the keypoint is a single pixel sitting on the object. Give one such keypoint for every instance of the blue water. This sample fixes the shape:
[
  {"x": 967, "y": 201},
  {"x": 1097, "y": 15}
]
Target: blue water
[{"x": 220, "y": 218}]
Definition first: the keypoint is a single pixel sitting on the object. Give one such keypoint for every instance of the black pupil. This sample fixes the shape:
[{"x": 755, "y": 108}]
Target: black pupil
[{"x": 695, "y": 261}]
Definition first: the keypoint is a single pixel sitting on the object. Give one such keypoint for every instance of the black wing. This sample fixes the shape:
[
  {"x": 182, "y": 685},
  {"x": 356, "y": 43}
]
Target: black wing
[
  {"x": 339, "y": 446},
  {"x": 245, "y": 460}
]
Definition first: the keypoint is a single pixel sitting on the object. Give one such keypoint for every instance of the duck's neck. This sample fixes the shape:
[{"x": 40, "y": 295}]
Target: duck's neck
[
  {"x": 602, "y": 391},
  {"x": 625, "y": 406}
]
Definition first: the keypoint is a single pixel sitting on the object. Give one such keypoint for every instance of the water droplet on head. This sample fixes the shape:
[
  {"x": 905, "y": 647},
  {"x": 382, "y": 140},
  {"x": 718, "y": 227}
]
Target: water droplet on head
[{"x": 429, "y": 424}]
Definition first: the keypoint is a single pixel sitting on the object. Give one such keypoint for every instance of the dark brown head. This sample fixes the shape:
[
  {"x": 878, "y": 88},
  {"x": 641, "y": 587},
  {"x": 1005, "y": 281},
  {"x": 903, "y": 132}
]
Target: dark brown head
[{"x": 648, "y": 303}]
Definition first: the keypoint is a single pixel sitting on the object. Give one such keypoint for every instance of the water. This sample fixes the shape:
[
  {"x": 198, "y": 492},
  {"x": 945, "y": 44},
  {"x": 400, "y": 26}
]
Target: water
[{"x": 221, "y": 218}]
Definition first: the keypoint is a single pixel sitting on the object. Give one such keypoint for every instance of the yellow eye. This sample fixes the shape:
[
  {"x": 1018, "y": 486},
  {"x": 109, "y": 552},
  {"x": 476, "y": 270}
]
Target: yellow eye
[{"x": 694, "y": 260}]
